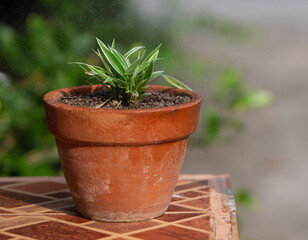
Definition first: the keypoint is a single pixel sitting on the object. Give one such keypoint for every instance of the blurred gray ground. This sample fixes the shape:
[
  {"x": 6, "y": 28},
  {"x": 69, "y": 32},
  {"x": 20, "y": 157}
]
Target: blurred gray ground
[{"x": 270, "y": 156}]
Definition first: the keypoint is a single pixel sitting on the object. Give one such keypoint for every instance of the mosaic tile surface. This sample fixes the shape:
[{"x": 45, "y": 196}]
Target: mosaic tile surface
[{"x": 202, "y": 208}]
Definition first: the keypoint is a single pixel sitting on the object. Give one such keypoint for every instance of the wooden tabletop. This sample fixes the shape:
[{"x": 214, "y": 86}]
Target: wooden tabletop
[{"x": 202, "y": 207}]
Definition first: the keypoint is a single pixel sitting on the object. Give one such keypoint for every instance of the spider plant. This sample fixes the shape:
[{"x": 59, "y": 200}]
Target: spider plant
[{"x": 126, "y": 77}]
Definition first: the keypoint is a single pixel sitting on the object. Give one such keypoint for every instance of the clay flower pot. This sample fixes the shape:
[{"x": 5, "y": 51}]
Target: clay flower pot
[{"x": 121, "y": 165}]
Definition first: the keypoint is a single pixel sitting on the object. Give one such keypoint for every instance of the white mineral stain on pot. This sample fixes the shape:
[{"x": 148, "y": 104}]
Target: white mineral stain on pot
[
  {"x": 146, "y": 169},
  {"x": 159, "y": 180},
  {"x": 105, "y": 185}
]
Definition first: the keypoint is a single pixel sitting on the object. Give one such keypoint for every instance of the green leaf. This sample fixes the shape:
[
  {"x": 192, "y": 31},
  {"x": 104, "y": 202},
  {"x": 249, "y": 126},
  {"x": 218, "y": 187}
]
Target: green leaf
[
  {"x": 155, "y": 74},
  {"x": 96, "y": 69},
  {"x": 139, "y": 69},
  {"x": 127, "y": 61},
  {"x": 91, "y": 73},
  {"x": 142, "y": 67},
  {"x": 112, "y": 59},
  {"x": 106, "y": 65},
  {"x": 125, "y": 84},
  {"x": 176, "y": 83},
  {"x": 98, "y": 72},
  {"x": 133, "y": 50},
  {"x": 153, "y": 55},
  {"x": 113, "y": 43},
  {"x": 141, "y": 54},
  {"x": 144, "y": 88},
  {"x": 149, "y": 71},
  {"x": 119, "y": 57},
  {"x": 116, "y": 82},
  {"x": 144, "y": 94},
  {"x": 141, "y": 84},
  {"x": 133, "y": 66},
  {"x": 135, "y": 93},
  {"x": 110, "y": 81}
]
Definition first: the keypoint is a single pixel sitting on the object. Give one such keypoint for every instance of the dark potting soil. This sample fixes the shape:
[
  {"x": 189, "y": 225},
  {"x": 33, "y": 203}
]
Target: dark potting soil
[{"x": 96, "y": 100}]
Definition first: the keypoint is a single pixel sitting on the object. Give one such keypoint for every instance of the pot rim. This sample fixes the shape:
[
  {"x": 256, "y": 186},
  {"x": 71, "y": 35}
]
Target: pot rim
[{"x": 52, "y": 98}]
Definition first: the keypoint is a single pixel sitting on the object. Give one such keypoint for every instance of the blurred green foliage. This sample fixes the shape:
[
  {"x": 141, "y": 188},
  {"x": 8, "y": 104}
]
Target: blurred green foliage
[
  {"x": 36, "y": 46},
  {"x": 229, "y": 98},
  {"x": 244, "y": 200}
]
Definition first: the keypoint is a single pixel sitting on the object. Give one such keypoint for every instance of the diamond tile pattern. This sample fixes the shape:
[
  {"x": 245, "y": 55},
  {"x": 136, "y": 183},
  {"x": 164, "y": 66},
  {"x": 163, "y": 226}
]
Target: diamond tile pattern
[
  {"x": 202, "y": 207},
  {"x": 3, "y": 237},
  {"x": 55, "y": 230},
  {"x": 172, "y": 233},
  {"x": 41, "y": 187},
  {"x": 11, "y": 199}
]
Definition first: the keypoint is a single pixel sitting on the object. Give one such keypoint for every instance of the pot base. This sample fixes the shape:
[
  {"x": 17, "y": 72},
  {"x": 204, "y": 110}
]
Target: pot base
[{"x": 123, "y": 220}]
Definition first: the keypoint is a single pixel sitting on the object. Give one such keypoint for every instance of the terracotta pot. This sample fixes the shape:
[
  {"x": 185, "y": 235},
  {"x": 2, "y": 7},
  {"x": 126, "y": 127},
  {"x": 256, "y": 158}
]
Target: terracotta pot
[{"x": 121, "y": 165}]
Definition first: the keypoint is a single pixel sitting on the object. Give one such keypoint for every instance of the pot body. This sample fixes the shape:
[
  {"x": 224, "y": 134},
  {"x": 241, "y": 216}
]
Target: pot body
[{"x": 121, "y": 165}]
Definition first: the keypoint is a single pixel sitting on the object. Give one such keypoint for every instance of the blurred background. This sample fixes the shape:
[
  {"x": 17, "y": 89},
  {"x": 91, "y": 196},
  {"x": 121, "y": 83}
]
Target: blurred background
[{"x": 248, "y": 59}]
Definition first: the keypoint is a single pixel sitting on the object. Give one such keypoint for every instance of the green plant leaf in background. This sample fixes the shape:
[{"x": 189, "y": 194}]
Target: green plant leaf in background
[
  {"x": 253, "y": 99},
  {"x": 213, "y": 122}
]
